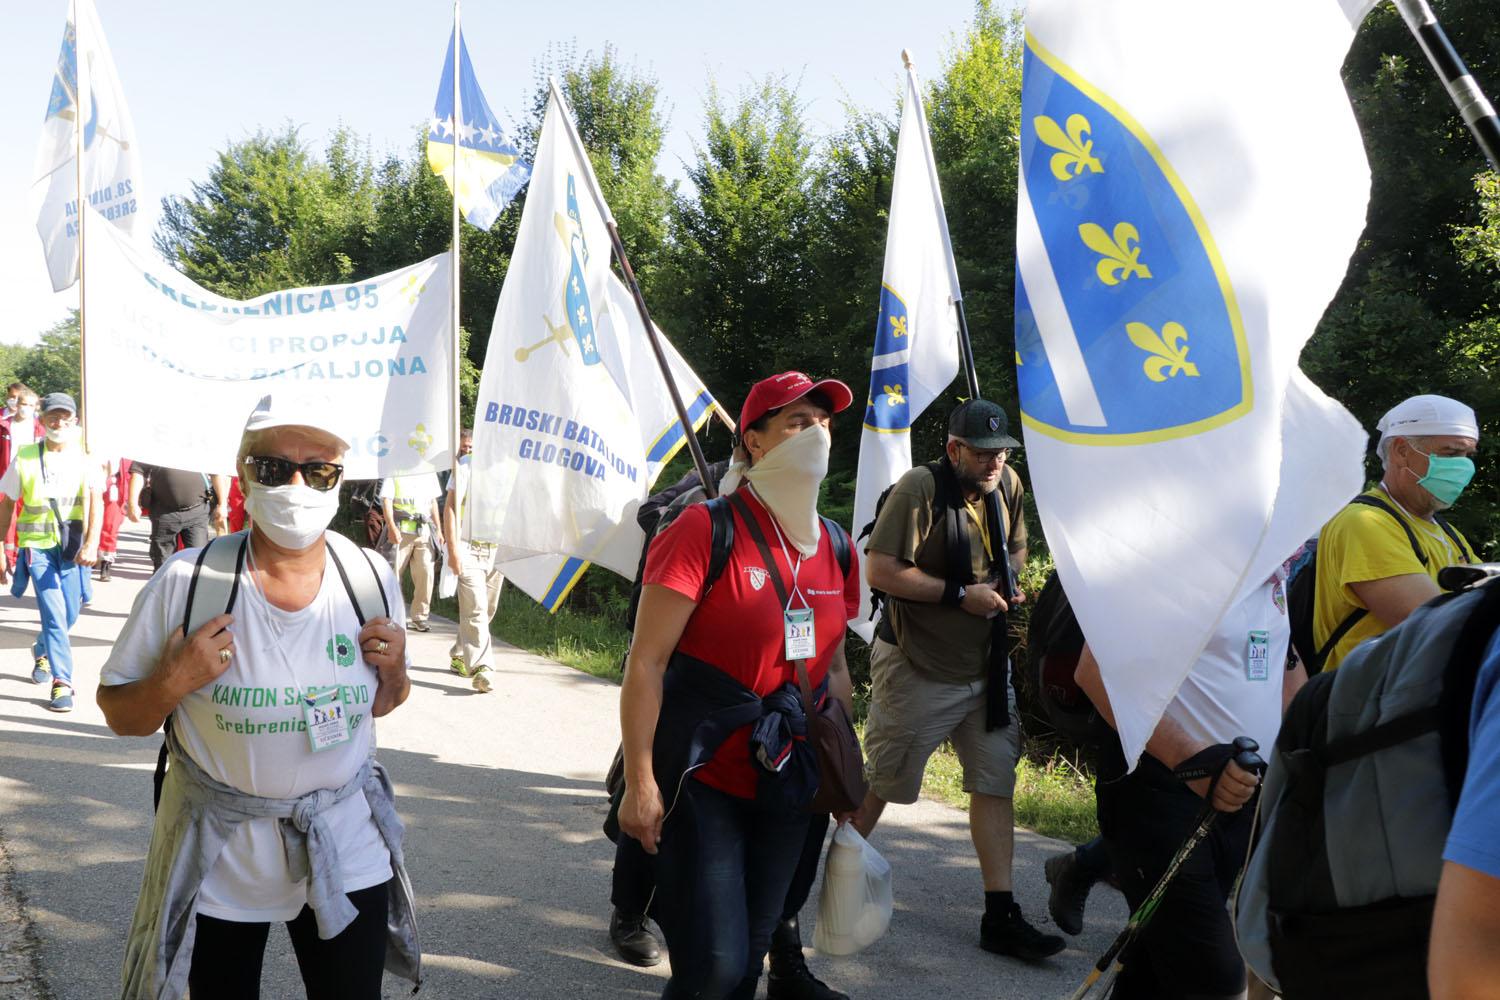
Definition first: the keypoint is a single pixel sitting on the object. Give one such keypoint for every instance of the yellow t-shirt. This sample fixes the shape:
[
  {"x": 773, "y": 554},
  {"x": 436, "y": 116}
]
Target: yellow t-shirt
[{"x": 1365, "y": 543}]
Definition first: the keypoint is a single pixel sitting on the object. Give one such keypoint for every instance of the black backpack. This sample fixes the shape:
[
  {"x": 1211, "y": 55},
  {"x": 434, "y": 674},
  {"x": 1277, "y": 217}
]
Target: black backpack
[
  {"x": 1355, "y": 810},
  {"x": 1051, "y": 703},
  {"x": 1302, "y": 590}
]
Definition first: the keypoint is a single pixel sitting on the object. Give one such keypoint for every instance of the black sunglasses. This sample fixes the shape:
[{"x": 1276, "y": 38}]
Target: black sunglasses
[{"x": 272, "y": 471}]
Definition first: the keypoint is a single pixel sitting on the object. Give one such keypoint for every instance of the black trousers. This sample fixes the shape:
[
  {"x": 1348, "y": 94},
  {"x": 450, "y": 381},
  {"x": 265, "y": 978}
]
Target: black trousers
[
  {"x": 633, "y": 881},
  {"x": 190, "y": 525},
  {"x": 227, "y": 954},
  {"x": 1187, "y": 951}
]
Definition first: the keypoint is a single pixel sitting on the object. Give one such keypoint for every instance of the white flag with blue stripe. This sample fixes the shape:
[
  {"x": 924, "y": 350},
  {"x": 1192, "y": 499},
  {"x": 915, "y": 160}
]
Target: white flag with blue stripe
[
  {"x": 916, "y": 332},
  {"x": 1184, "y": 217}
]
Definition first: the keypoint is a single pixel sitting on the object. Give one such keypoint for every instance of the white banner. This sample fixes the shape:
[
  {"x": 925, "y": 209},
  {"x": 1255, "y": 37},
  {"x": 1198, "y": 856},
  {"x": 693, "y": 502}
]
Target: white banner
[
  {"x": 573, "y": 422},
  {"x": 174, "y": 370},
  {"x": 916, "y": 333},
  {"x": 111, "y": 161},
  {"x": 1184, "y": 218}
]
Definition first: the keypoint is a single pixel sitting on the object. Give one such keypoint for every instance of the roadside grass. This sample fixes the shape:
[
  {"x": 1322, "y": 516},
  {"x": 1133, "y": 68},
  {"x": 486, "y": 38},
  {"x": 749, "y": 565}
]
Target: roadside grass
[{"x": 1054, "y": 797}]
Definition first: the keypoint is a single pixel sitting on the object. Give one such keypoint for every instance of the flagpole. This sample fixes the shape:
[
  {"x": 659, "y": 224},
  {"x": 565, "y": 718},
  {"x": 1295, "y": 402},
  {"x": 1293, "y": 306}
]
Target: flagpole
[
  {"x": 455, "y": 345},
  {"x": 1467, "y": 96},
  {"x": 965, "y": 345},
  {"x": 82, "y": 91},
  {"x": 699, "y": 462}
]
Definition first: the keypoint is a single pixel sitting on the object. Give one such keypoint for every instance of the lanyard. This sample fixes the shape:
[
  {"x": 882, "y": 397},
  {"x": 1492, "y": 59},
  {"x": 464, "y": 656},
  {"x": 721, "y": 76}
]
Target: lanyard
[{"x": 796, "y": 566}]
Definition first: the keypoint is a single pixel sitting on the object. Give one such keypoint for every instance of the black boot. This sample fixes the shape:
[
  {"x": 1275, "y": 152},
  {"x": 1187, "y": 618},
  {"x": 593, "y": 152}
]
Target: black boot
[
  {"x": 633, "y": 939},
  {"x": 1010, "y": 934},
  {"x": 790, "y": 978}
]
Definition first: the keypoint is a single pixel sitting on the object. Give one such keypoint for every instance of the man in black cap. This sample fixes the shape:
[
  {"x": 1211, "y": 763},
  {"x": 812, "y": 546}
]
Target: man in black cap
[{"x": 938, "y": 668}]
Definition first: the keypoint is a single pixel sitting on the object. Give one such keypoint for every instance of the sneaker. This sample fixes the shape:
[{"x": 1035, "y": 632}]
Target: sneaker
[
  {"x": 41, "y": 671},
  {"x": 104, "y": 572},
  {"x": 1070, "y": 890},
  {"x": 1012, "y": 935},
  {"x": 458, "y": 666},
  {"x": 481, "y": 680},
  {"x": 633, "y": 939},
  {"x": 417, "y": 626},
  {"x": 62, "y": 698}
]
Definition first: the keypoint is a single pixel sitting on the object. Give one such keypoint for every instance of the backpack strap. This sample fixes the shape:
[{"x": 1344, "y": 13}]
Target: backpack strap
[
  {"x": 839, "y": 538},
  {"x": 363, "y": 584},
  {"x": 721, "y": 544},
  {"x": 1367, "y": 500},
  {"x": 949, "y": 500},
  {"x": 216, "y": 580},
  {"x": 1464, "y": 551}
]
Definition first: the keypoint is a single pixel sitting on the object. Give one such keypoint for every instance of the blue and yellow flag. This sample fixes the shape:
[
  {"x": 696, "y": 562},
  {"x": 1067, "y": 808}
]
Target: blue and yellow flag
[{"x": 490, "y": 170}]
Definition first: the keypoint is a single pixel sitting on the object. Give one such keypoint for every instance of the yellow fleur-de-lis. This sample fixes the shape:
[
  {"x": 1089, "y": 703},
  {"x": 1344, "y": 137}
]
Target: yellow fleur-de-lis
[
  {"x": 1168, "y": 350},
  {"x": 420, "y": 440},
  {"x": 1120, "y": 255},
  {"x": 1075, "y": 146},
  {"x": 898, "y": 326},
  {"x": 894, "y": 394},
  {"x": 412, "y": 290}
]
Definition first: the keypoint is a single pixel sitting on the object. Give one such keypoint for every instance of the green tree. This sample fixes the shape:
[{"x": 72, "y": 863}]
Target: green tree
[
  {"x": 741, "y": 278},
  {"x": 53, "y": 365}
]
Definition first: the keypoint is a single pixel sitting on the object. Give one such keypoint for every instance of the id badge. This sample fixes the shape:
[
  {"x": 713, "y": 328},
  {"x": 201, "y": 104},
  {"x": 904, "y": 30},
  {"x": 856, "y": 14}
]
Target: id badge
[
  {"x": 327, "y": 718},
  {"x": 801, "y": 638},
  {"x": 1257, "y": 656}
]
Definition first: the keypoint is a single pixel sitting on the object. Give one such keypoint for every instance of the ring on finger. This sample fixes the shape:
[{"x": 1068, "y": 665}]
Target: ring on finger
[
  {"x": 225, "y": 654},
  {"x": 381, "y": 647}
]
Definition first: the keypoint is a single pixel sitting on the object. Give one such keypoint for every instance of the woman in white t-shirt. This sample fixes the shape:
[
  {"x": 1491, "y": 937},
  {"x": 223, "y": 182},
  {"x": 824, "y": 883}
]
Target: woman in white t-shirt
[{"x": 270, "y": 713}]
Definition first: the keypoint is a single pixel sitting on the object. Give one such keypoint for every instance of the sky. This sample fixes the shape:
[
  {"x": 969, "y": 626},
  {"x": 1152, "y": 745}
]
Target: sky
[{"x": 199, "y": 74}]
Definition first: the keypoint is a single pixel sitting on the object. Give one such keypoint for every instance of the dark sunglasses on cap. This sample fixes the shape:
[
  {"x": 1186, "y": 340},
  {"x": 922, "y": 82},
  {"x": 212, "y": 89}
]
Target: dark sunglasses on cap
[{"x": 269, "y": 470}]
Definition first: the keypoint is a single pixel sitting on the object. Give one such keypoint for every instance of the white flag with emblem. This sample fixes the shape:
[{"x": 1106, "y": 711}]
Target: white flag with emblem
[
  {"x": 573, "y": 423},
  {"x": 916, "y": 333},
  {"x": 1183, "y": 219},
  {"x": 84, "y": 82}
]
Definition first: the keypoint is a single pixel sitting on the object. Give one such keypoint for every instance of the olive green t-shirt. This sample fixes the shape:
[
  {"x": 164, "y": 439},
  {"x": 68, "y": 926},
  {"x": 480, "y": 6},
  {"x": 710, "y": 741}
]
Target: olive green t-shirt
[{"x": 947, "y": 644}]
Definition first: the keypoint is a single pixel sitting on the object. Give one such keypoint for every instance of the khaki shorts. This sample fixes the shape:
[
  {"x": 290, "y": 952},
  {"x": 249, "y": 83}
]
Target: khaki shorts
[{"x": 911, "y": 714}]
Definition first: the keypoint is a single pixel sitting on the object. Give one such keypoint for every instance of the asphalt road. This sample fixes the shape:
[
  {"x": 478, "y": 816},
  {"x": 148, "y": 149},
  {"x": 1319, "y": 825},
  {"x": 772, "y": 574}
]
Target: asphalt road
[{"x": 502, "y": 798}]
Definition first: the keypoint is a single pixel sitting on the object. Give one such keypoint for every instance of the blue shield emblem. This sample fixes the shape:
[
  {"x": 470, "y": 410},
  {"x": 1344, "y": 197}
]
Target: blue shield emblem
[
  {"x": 1143, "y": 339},
  {"x": 576, "y": 299},
  {"x": 889, "y": 408}
]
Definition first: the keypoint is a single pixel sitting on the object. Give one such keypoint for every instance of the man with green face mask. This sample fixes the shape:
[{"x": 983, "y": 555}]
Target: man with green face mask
[{"x": 1378, "y": 559}]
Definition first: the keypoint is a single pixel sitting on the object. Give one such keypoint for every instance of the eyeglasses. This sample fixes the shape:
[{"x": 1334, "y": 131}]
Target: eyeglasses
[
  {"x": 269, "y": 470},
  {"x": 988, "y": 457}
]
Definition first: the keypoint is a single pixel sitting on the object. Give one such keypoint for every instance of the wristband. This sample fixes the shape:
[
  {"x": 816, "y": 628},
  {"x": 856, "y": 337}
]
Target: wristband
[
  {"x": 1210, "y": 762},
  {"x": 953, "y": 594}
]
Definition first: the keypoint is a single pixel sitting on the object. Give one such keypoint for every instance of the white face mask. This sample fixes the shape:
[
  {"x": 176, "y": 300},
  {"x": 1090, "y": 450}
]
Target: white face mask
[
  {"x": 293, "y": 516},
  {"x": 787, "y": 479},
  {"x": 66, "y": 434}
]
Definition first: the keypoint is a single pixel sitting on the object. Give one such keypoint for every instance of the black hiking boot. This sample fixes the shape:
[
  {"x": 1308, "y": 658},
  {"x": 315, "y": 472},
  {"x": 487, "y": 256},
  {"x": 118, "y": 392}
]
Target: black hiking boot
[
  {"x": 790, "y": 978},
  {"x": 633, "y": 939},
  {"x": 1070, "y": 891},
  {"x": 1012, "y": 935}
]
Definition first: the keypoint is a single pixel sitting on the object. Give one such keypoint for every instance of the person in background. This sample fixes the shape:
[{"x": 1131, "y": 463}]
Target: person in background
[
  {"x": 52, "y": 490},
  {"x": 1379, "y": 557},
  {"x": 413, "y": 522},
  {"x": 479, "y": 581},
  {"x": 116, "y": 485},
  {"x": 180, "y": 505},
  {"x": 20, "y": 425}
]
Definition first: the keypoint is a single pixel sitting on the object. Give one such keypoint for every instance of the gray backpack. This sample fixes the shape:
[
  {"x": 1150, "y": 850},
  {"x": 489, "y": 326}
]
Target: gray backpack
[{"x": 1337, "y": 898}]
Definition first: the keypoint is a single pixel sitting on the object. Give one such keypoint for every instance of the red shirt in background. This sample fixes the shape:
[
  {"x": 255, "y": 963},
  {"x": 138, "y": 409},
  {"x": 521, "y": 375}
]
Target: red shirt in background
[{"x": 739, "y": 628}]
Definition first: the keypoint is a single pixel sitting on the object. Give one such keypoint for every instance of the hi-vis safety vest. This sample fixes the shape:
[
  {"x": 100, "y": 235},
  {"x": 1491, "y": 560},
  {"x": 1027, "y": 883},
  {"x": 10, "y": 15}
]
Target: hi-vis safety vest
[
  {"x": 36, "y": 522},
  {"x": 408, "y": 517}
]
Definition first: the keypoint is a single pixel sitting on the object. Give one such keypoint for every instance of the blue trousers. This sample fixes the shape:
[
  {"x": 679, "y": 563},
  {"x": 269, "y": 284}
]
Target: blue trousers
[
  {"x": 59, "y": 586},
  {"x": 725, "y": 882}
]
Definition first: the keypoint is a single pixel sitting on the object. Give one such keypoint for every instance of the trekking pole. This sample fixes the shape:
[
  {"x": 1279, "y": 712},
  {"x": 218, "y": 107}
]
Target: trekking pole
[{"x": 1112, "y": 960}]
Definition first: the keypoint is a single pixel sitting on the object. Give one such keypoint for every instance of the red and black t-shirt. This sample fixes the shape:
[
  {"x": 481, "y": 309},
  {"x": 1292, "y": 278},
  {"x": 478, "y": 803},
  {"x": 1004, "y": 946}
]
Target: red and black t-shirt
[{"x": 739, "y": 626}]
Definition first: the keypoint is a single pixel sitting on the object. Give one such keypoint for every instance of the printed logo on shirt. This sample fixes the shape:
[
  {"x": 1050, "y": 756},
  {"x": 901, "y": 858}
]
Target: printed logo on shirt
[
  {"x": 757, "y": 577},
  {"x": 823, "y": 593},
  {"x": 1278, "y": 596},
  {"x": 340, "y": 650}
]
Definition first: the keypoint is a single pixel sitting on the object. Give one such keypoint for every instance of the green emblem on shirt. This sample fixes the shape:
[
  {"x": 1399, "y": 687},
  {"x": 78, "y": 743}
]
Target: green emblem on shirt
[{"x": 341, "y": 650}]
